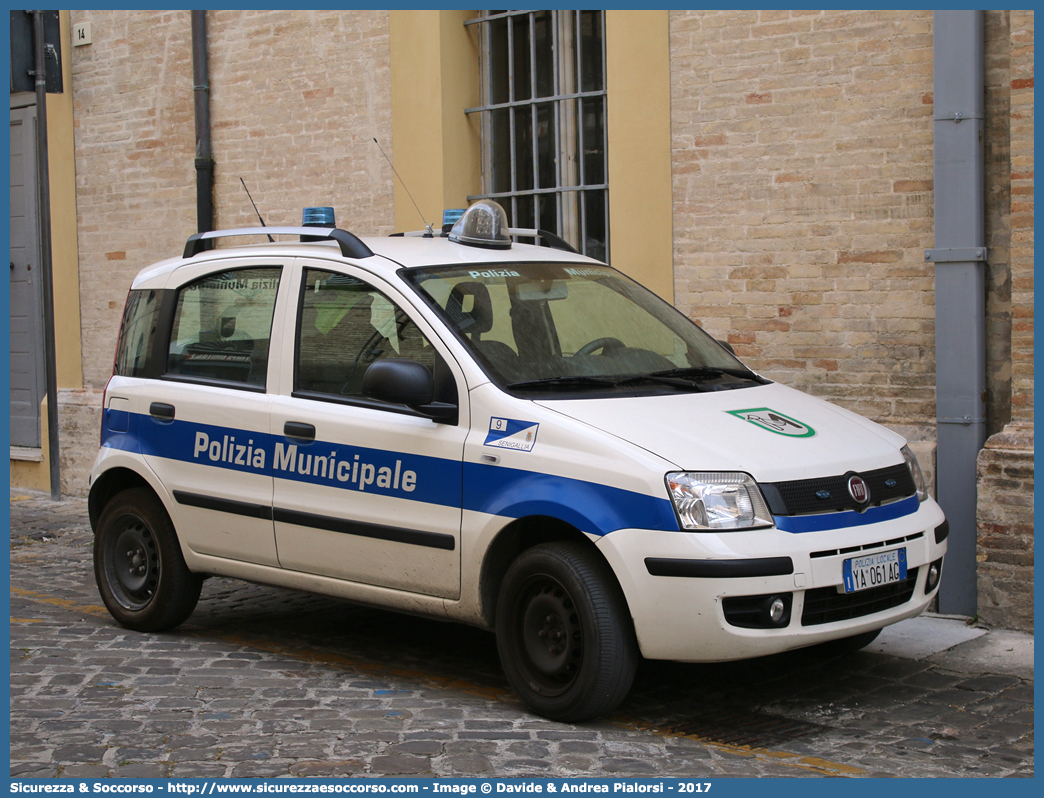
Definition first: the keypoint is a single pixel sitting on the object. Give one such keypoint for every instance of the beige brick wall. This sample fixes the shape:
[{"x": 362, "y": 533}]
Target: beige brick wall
[
  {"x": 79, "y": 420},
  {"x": 296, "y": 99},
  {"x": 134, "y": 141},
  {"x": 997, "y": 146},
  {"x": 1004, "y": 552},
  {"x": 1022, "y": 214},
  {"x": 802, "y": 161},
  {"x": 1005, "y": 545}
]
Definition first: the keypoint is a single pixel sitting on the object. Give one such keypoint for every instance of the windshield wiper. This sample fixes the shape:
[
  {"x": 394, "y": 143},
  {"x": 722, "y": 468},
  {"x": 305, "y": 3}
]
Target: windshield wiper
[
  {"x": 564, "y": 382},
  {"x": 706, "y": 373},
  {"x": 587, "y": 381},
  {"x": 661, "y": 379},
  {"x": 689, "y": 379}
]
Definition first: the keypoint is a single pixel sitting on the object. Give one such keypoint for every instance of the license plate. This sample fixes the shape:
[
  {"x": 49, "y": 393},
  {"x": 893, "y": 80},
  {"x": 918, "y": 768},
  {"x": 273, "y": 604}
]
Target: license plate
[{"x": 874, "y": 570}]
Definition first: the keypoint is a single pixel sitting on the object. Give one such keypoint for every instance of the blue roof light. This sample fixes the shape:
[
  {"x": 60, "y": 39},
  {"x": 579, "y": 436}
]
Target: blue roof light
[
  {"x": 450, "y": 216},
  {"x": 318, "y": 217}
]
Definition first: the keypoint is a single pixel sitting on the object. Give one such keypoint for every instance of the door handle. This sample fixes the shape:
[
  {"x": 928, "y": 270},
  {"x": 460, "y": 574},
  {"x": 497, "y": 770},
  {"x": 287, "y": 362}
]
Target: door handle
[
  {"x": 161, "y": 410},
  {"x": 298, "y": 429}
]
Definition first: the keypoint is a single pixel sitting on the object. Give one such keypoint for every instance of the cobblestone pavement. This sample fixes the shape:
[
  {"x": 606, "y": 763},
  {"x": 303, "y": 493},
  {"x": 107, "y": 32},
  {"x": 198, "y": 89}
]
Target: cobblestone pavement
[{"x": 267, "y": 682}]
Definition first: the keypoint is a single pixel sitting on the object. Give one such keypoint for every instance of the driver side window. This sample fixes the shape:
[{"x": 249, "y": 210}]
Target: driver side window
[{"x": 345, "y": 326}]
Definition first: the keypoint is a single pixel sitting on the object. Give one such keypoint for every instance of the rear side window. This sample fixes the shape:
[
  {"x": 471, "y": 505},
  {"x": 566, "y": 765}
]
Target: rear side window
[
  {"x": 223, "y": 325},
  {"x": 137, "y": 333}
]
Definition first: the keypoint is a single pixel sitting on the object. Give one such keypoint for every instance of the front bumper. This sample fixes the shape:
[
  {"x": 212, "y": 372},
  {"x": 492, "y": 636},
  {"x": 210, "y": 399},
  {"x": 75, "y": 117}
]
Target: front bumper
[{"x": 676, "y": 584}]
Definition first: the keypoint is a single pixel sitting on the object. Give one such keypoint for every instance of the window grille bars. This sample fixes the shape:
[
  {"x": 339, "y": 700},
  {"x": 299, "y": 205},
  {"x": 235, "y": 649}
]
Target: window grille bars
[{"x": 543, "y": 122}]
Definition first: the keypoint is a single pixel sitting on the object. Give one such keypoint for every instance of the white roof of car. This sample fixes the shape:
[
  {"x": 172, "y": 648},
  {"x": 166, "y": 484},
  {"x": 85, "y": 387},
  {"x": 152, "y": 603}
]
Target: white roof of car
[{"x": 389, "y": 255}]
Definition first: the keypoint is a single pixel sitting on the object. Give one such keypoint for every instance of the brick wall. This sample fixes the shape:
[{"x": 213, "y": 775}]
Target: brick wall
[
  {"x": 1005, "y": 466},
  {"x": 997, "y": 145},
  {"x": 1022, "y": 214},
  {"x": 802, "y": 161},
  {"x": 1004, "y": 570},
  {"x": 79, "y": 420},
  {"x": 135, "y": 179},
  {"x": 296, "y": 99}
]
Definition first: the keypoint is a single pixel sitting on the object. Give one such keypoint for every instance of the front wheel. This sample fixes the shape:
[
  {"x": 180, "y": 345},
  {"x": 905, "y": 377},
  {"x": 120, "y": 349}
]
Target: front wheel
[
  {"x": 564, "y": 633},
  {"x": 138, "y": 566}
]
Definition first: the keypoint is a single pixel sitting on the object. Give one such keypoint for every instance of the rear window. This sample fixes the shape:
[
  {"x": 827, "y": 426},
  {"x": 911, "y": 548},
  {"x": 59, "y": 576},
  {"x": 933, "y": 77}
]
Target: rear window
[
  {"x": 222, "y": 326},
  {"x": 137, "y": 333}
]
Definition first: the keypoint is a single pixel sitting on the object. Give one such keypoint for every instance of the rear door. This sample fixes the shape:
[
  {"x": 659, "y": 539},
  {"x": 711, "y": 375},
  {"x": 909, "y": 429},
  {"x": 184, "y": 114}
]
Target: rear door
[
  {"x": 364, "y": 491},
  {"x": 204, "y": 424}
]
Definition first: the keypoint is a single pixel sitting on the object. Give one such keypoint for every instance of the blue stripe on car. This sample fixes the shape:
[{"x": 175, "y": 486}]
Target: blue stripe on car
[
  {"x": 821, "y": 523},
  {"x": 496, "y": 490}
]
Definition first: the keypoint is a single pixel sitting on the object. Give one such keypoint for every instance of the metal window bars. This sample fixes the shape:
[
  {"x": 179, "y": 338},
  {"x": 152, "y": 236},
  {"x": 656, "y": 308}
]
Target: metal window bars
[{"x": 543, "y": 122}]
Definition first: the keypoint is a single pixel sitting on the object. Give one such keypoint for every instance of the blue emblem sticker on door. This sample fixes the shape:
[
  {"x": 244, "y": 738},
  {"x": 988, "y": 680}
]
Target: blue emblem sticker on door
[{"x": 510, "y": 433}]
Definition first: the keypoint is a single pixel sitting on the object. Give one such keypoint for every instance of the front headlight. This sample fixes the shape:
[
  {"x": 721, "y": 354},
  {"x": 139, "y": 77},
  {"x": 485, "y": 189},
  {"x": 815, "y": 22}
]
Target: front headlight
[
  {"x": 915, "y": 472},
  {"x": 710, "y": 500}
]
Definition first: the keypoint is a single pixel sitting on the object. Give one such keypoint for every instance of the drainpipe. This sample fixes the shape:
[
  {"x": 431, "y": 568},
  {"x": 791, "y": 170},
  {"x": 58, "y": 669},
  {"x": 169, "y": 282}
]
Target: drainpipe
[
  {"x": 201, "y": 88},
  {"x": 43, "y": 194},
  {"x": 960, "y": 292}
]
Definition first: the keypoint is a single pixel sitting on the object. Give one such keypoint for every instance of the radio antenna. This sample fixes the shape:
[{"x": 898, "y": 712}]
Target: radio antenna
[
  {"x": 247, "y": 190},
  {"x": 428, "y": 232}
]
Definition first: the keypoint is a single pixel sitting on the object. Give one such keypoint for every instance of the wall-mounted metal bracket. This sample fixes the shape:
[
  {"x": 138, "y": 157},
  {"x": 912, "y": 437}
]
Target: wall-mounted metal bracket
[
  {"x": 956, "y": 255},
  {"x": 964, "y": 421},
  {"x": 957, "y": 116}
]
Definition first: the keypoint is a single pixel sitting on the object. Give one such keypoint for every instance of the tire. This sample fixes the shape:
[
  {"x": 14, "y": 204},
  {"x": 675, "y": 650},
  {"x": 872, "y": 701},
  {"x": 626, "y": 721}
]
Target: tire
[
  {"x": 846, "y": 645},
  {"x": 564, "y": 633},
  {"x": 141, "y": 574}
]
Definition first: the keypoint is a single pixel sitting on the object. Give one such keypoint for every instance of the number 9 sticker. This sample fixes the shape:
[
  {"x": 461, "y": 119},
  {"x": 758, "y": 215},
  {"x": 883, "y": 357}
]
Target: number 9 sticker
[{"x": 512, "y": 433}]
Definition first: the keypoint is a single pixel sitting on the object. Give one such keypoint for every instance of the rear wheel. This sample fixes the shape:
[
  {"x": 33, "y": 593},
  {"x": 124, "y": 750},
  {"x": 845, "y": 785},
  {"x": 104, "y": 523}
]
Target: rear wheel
[
  {"x": 141, "y": 574},
  {"x": 564, "y": 633}
]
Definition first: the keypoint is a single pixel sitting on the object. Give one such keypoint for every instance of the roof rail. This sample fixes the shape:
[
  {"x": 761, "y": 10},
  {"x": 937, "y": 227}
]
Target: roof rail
[
  {"x": 351, "y": 245},
  {"x": 553, "y": 241}
]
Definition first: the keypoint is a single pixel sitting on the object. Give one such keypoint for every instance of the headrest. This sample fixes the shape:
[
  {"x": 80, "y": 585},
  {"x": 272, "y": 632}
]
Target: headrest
[{"x": 479, "y": 318}]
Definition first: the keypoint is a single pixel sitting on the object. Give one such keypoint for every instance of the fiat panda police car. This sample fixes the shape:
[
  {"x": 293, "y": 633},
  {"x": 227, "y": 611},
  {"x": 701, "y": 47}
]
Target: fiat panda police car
[{"x": 507, "y": 435}]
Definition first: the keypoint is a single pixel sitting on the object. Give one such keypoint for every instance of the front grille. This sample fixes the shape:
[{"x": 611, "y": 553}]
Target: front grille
[
  {"x": 865, "y": 547},
  {"x": 830, "y": 494},
  {"x": 826, "y": 605}
]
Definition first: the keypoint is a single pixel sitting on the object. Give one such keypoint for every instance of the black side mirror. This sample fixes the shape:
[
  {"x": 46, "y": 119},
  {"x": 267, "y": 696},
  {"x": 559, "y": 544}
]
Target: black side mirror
[
  {"x": 406, "y": 382},
  {"x": 726, "y": 345}
]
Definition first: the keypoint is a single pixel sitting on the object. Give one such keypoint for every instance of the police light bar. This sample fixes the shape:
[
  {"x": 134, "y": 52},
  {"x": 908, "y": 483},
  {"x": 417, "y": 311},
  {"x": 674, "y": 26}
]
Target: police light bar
[
  {"x": 484, "y": 224},
  {"x": 318, "y": 217},
  {"x": 450, "y": 216}
]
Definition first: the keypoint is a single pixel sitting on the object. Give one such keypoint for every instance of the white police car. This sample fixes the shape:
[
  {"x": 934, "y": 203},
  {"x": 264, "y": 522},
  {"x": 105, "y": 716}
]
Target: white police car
[{"x": 507, "y": 435}]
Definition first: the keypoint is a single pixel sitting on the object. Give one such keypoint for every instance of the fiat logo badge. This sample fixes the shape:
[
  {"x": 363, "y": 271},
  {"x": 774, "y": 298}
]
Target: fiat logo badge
[{"x": 858, "y": 490}]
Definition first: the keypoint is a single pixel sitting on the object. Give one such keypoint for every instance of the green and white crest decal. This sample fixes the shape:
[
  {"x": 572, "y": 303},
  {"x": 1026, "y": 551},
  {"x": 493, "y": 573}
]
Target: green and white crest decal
[{"x": 774, "y": 421}]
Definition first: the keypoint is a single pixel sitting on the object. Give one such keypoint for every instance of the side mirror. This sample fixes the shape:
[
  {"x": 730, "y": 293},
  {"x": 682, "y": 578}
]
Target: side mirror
[
  {"x": 727, "y": 345},
  {"x": 406, "y": 382}
]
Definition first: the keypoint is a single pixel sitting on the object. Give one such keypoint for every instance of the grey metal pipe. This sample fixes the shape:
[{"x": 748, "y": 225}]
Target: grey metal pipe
[
  {"x": 43, "y": 193},
  {"x": 960, "y": 291},
  {"x": 204, "y": 160}
]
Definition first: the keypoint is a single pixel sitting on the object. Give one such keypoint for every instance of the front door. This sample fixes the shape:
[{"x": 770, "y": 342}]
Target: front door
[
  {"x": 28, "y": 383},
  {"x": 363, "y": 491}
]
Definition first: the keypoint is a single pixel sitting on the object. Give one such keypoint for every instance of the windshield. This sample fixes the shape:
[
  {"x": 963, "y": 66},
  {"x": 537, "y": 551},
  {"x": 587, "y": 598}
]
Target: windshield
[{"x": 555, "y": 328}]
